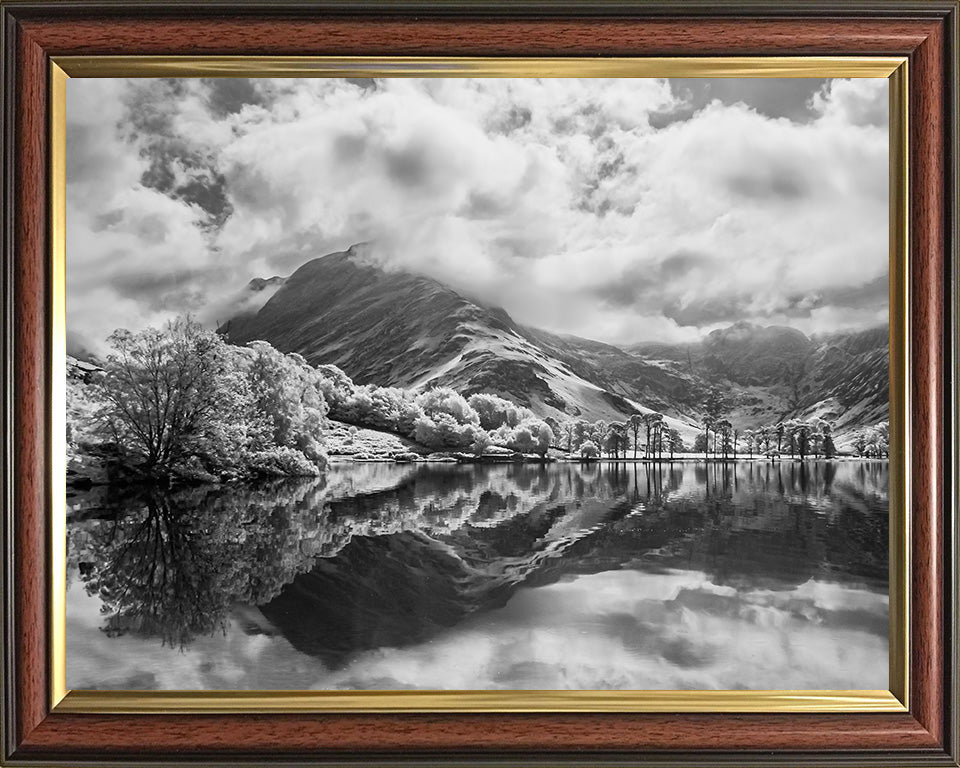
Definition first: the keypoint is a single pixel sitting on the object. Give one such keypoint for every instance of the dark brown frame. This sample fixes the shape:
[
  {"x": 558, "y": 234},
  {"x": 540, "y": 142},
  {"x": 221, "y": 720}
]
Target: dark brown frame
[{"x": 924, "y": 31}]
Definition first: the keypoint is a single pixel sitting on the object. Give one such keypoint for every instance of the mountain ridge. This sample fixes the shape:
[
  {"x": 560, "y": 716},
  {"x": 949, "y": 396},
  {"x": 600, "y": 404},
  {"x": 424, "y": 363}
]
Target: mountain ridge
[{"x": 397, "y": 328}]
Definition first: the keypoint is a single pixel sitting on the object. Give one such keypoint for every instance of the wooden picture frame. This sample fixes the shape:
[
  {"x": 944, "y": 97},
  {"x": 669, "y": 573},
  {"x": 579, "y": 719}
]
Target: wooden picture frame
[{"x": 37, "y": 730}]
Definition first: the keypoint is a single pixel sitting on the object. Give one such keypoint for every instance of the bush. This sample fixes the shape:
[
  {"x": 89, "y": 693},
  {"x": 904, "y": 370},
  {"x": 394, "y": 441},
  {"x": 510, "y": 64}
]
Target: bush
[
  {"x": 283, "y": 461},
  {"x": 443, "y": 401},
  {"x": 495, "y": 412},
  {"x": 589, "y": 450}
]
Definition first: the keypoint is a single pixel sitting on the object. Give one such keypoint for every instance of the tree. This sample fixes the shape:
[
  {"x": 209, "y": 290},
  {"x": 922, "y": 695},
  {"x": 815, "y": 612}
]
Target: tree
[
  {"x": 828, "y": 447},
  {"x": 635, "y": 424},
  {"x": 616, "y": 439},
  {"x": 860, "y": 443},
  {"x": 289, "y": 394},
  {"x": 750, "y": 440},
  {"x": 494, "y": 411},
  {"x": 700, "y": 443},
  {"x": 652, "y": 421},
  {"x": 523, "y": 440},
  {"x": 877, "y": 440},
  {"x": 798, "y": 434},
  {"x": 337, "y": 388},
  {"x": 611, "y": 443},
  {"x": 481, "y": 442},
  {"x": 780, "y": 429},
  {"x": 723, "y": 429},
  {"x": 765, "y": 439},
  {"x": 165, "y": 392},
  {"x": 581, "y": 433},
  {"x": 443, "y": 400},
  {"x": 675, "y": 441},
  {"x": 714, "y": 405},
  {"x": 589, "y": 450},
  {"x": 598, "y": 432},
  {"x": 544, "y": 438}
]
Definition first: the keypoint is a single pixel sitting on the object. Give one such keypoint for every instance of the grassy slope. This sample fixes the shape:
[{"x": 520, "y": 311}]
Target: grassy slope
[{"x": 345, "y": 440}]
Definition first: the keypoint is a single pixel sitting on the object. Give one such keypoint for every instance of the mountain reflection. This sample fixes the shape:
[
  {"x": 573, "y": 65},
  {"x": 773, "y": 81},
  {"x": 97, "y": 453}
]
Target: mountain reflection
[{"x": 382, "y": 556}]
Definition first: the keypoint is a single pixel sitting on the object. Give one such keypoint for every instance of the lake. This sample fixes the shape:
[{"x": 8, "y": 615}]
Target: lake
[{"x": 565, "y": 576}]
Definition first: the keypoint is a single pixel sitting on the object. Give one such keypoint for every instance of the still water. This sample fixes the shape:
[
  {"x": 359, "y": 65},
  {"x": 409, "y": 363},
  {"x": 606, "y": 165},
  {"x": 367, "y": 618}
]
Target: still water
[{"x": 390, "y": 576}]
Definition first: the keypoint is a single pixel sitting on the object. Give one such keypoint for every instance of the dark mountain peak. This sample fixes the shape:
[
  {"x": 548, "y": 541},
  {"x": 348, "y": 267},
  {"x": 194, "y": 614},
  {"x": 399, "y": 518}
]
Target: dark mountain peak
[
  {"x": 383, "y": 326},
  {"x": 746, "y": 331}
]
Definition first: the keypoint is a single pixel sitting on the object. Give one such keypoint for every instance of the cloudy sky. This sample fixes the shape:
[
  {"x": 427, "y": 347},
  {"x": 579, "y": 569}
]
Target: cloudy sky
[{"x": 621, "y": 210}]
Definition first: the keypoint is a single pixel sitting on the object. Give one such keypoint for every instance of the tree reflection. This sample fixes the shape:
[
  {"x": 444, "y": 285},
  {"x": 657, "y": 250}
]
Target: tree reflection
[
  {"x": 173, "y": 565},
  {"x": 384, "y": 545}
]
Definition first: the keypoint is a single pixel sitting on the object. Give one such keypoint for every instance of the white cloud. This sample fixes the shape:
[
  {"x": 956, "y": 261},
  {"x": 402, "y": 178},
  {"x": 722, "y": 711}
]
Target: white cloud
[
  {"x": 625, "y": 630},
  {"x": 555, "y": 199}
]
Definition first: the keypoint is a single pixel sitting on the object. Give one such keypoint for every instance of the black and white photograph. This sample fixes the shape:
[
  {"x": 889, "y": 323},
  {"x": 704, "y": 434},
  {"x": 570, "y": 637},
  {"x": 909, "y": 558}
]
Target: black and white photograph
[{"x": 454, "y": 383}]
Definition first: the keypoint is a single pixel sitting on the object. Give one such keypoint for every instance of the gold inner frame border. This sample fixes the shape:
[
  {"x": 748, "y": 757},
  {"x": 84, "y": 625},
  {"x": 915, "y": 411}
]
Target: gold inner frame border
[{"x": 665, "y": 701}]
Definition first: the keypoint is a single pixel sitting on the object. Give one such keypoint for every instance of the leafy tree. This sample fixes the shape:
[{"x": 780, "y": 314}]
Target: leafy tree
[
  {"x": 828, "y": 447},
  {"x": 723, "y": 430},
  {"x": 798, "y": 437},
  {"x": 481, "y": 442},
  {"x": 581, "y": 433},
  {"x": 445, "y": 401},
  {"x": 750, "y": 441},
  {"x": 289, "y": 394},
  {"x": 860, "y": 443},
  {"x": 544, "y": 438},
  {"x": 652, "y": 421},
  {"x": 674, "y": 441},
  {"x": 337, "y": 388},
  {"x": 589, "y": 450},
  {"x": 877, "y": 440},
  {"x": 554, "y": 425},
  {"x": 700, "y": 443},
  {"x": 598, "y": 432},
  {"x": 780, "y": 429},
  {"x": 523, "y": 439},
  {"x": 714, "y": 405},
  {"x": 635, "y": 424},
  {"x": 494, "y": 411},
  {"x": 167, "y": 393}
]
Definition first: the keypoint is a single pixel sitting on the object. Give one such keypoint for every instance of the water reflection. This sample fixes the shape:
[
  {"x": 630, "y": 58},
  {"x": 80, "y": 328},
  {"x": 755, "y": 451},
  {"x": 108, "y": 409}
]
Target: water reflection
[{"x": 682, "y": 572}]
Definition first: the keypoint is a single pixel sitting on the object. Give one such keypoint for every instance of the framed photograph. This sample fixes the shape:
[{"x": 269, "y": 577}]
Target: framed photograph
[{"x": 552, "y": 383}]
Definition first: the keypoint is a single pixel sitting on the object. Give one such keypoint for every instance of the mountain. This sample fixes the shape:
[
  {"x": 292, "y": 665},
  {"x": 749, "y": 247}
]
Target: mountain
[
  {"x": 778, "y": 372},
  {"x": 396, "y": 328}
]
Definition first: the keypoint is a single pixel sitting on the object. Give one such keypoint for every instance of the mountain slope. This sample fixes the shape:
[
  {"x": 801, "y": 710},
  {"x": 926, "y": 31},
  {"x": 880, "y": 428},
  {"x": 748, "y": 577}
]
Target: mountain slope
[
  {"x": 400, "y": 329},
  {"x": 777, "y": 372},
  {"x": 395, "y": 328}
]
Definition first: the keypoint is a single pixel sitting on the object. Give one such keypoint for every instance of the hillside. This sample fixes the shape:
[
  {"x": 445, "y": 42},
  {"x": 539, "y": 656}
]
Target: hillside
[
  {"x": 395, "y": 328},
  {"x": 400, "y": 329}
]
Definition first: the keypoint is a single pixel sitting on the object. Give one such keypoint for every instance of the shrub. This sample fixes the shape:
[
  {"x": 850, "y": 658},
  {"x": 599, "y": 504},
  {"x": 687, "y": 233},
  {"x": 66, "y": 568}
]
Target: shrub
[{"x": 283, "y": 461}]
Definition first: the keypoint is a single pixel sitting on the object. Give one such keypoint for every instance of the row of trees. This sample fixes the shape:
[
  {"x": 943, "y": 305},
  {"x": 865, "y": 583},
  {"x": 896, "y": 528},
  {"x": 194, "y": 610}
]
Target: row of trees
[
  {"x": 442, "y": 419},
  {"x": 642, "y": 432},
  {"x": 180, "y": 400},
  {"x": 794, "y": 437}
]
